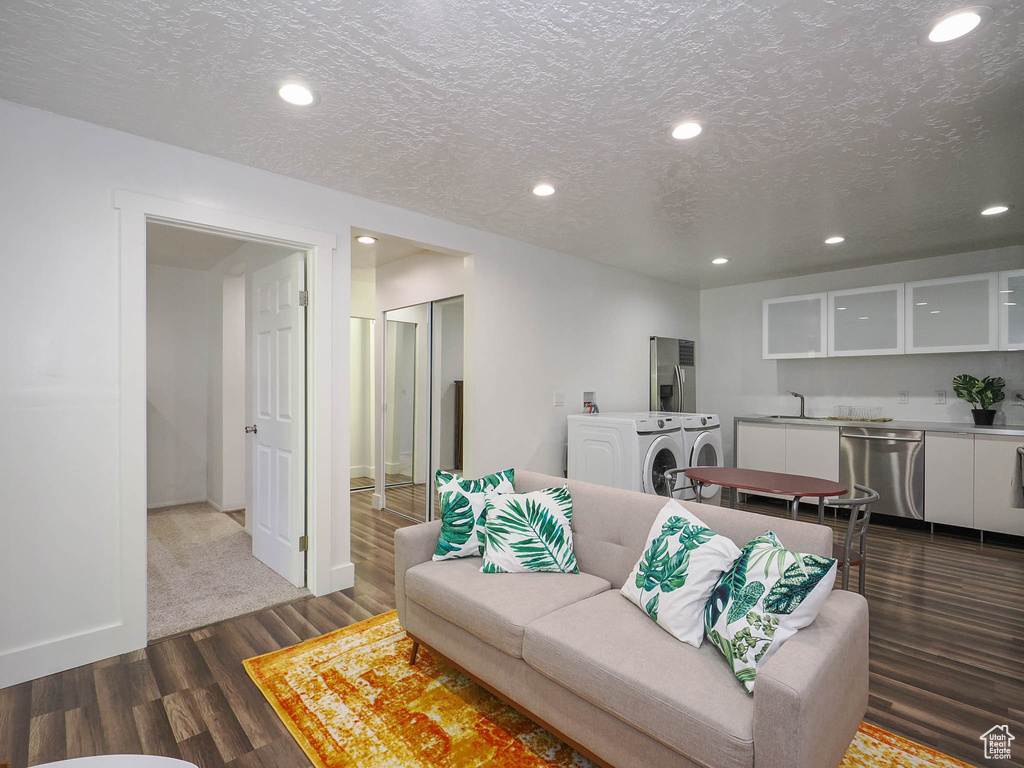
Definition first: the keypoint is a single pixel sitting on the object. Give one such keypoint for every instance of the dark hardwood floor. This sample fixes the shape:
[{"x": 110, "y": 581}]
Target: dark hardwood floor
[{"x": 947, "y": 659}]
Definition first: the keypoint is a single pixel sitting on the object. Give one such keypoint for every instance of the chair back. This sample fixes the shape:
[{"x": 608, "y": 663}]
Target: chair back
[{"x": 860, "y": 516}]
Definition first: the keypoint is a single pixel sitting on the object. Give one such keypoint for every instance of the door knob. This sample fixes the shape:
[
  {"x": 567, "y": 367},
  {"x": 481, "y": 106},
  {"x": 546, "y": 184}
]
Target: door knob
[{"x": 251, "y": 429}]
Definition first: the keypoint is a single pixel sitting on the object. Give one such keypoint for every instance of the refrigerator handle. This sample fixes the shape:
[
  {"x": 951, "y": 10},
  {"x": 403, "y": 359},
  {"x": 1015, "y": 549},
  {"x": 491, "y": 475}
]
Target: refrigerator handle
[
  {"x": 680, "y": 380},
  {"x": 655, "y": 394}
]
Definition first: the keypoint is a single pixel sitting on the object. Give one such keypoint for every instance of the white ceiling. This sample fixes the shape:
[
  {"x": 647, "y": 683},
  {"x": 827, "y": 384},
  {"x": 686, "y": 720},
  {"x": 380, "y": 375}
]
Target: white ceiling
[
  {"x": 186, "y": 248},
  {"x": 822, "y": 116}
]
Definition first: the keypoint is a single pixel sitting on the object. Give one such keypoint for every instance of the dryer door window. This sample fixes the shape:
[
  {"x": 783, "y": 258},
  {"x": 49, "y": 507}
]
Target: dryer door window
[
  {"x": 705, "y": 453},
  {"x": 663, "y": 455}
]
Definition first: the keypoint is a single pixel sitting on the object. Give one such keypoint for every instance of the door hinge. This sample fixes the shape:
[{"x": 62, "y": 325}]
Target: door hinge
[
  {"x": 303, "y": 298},
  {"x": 303, "y": 543}
]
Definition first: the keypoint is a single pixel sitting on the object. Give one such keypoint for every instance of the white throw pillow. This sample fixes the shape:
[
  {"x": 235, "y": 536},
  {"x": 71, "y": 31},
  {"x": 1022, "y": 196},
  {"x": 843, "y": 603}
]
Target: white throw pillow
[
  {"x": 529, "y": 532},
  {"x": 763, "y": 600},
  {"x": 462, "y": 511},
  {"x": 681, "y": 564}
]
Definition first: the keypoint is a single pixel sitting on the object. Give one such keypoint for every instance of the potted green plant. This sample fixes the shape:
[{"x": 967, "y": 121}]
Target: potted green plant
[{"x": 981, "y": 393}]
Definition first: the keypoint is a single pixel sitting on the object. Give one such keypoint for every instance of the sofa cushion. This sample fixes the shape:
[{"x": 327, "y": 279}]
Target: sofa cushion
[
  {"x": 526, "y": 532},
  {"x": 679, "y": 568},
  {"x": 763, "y": 600},
  {"x": 496, "y": 607},
  {"x": 462, "y": 511},
  {"x": 609, "y": 653}
]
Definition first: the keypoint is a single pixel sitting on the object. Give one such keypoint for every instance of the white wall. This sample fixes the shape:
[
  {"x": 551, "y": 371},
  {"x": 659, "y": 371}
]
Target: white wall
[
  {"x": 176, "y": 365},
  {"x": 734, "y": 380},
  {"x": 233, "y": 346}
]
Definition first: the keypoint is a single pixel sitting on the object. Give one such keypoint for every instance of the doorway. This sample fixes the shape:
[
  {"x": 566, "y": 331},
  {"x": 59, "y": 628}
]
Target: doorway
[{"x": 226, "y": 423}]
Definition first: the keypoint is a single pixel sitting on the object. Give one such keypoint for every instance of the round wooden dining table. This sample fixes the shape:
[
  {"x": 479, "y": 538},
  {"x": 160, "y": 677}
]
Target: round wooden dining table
[{"x": 780, "y": 483}]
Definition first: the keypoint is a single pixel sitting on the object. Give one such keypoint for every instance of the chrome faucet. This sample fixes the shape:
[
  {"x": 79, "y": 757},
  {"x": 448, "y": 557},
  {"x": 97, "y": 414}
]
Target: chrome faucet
[{"x": 797, "y": 394}]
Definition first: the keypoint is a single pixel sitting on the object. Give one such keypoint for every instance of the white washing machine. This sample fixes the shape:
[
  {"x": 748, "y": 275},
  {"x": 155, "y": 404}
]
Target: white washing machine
[
  {"x": 702, "y": 443},
  {"x": 626, "y": 450}
]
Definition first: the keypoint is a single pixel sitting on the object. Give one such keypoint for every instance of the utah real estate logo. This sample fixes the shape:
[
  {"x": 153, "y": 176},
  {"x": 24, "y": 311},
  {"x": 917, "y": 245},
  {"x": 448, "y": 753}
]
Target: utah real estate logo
[{"x": 997, "y": 742}]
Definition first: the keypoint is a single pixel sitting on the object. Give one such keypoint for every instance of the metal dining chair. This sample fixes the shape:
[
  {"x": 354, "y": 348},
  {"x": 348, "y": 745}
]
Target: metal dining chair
[{"x": 860, "y": 515}]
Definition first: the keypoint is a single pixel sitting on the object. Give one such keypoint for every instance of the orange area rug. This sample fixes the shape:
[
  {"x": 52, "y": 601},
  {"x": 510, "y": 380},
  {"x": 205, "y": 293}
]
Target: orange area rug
[{"x": 350, "y": 698}]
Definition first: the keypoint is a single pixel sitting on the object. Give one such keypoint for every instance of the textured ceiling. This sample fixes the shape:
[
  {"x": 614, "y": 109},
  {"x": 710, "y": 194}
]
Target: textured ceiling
[
  {"x": 822, "y": 116},
  {"x": 186, "y": 248}
]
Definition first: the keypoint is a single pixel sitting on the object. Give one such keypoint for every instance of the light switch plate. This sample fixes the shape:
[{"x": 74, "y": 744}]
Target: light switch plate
[
  {"x": 559, "y": 398},
  {"x": 904, "y": 397},
  {"x": 940, "y": 397}
]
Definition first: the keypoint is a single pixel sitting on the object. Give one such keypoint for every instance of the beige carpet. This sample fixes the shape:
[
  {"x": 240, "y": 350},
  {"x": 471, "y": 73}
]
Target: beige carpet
[{"x": 201, "y": 570}]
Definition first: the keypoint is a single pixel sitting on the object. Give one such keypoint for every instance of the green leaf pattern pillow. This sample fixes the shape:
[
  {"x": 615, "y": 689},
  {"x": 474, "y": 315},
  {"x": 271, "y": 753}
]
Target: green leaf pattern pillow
[
  {"x": 462, "y": 509},
  {"x": 763, "y": 600},
  {"x": 529, "y": 532},
  {"x": 680, "y": 566}
]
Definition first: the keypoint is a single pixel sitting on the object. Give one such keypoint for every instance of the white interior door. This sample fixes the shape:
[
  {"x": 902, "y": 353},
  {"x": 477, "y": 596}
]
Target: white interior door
[{"x": 279, "y": 408}]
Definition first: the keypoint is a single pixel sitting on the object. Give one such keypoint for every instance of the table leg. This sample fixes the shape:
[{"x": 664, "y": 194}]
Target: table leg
[
  {"x": 733, "y": 493},
  {"x": 821, "y": 510},
  {"x": 795, "y": 507},
  {"x": 697, "y": 486}
]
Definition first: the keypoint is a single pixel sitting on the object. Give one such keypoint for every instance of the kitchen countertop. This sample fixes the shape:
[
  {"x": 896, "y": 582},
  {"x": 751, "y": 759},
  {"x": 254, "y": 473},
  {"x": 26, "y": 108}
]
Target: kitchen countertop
[{"x": 927, "y": 426}]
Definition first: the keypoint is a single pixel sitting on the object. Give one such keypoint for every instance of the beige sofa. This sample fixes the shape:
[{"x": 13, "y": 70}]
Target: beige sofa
[{"x": 570, "y": 652}]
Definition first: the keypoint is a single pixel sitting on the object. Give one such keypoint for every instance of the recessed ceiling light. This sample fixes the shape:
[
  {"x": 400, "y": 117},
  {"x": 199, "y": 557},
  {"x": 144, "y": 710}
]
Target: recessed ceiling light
[
  {"x": 687, "y": 130},
  {"x": 1008, "y": 290},
  {"x": 834, "y": 240},
  {"x": 995, "y": 210},
  {"x": 1010, "y": 303},
  {"x": 922, "y": 303},
  {"x": 543, "y": 190},
  {"x": 840, "y": 308},
  {"x": 862, "y": 318},
  {"x": 720, "y": 260},
  {"x": 958, "y": 24},
  {"x": 296, "y": 94},
  {"x": 934, "y": 312},
  {"x": 366, "y": 240}
]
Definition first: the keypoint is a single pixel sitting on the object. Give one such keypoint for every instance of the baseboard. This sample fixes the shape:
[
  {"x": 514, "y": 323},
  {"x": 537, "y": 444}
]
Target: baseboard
[
  {"x": 376, "y": 501},
  {"x": 163, "y": 504},
  {"x": 343, "y": 576},
  {"x": 48, "y": 657},
  {"x": 215, "y": 505},
  {"x": 360, "y": 471}
]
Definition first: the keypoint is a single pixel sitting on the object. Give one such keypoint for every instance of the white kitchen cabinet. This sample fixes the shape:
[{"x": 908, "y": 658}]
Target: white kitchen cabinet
[
  {"x": 866, "y": 321},
  {"x": 997, "y": 484},
  {"x": 761, "y": 446},
  {"x": 949, "y": 478},
  {"x": 795, "y": 327},
  {"x": 1011, "y": 310},
  {"x": 812, "y": 450},
  {"x": 954, "y": 314}
]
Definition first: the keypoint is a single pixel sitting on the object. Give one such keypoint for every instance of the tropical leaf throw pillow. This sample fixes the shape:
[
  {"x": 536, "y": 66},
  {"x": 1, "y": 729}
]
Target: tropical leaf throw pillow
[
  {"x": 462, "y": 509},
  {"x": 763, "y": 600},
  {"x": 680, "y": 565},
  {"x": 529, "y": 532}
]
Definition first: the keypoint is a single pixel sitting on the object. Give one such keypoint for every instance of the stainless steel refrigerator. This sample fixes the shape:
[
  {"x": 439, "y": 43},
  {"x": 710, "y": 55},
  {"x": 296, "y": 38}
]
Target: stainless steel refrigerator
[{"x": 673, "y": 375}]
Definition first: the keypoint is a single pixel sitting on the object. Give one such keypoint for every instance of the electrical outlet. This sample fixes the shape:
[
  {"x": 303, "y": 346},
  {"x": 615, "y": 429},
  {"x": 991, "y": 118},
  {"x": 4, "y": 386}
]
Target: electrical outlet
[
  {"x": 1017, "y": 399},
  {"x": 559, "y": 398},
  {"x": 904, "y": 397},
  {"x": 940, "y": 397}
]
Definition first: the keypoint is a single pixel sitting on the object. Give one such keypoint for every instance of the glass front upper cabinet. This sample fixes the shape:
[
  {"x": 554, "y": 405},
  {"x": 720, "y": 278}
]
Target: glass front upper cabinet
[
  {"x": 866, "y": 321},
  {"x": 955, "y": 314},
  {"x": 1011, "y": 310},
  {"x": 794, "y": 327}
]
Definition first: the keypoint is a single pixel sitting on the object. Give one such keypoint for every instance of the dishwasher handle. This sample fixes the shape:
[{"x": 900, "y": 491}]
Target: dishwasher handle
[{"x": 879, "y": 437}]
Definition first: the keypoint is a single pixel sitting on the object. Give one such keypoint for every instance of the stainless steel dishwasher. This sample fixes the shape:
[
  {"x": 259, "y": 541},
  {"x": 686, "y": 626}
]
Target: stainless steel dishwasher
[{"x": 890, "y": 461}]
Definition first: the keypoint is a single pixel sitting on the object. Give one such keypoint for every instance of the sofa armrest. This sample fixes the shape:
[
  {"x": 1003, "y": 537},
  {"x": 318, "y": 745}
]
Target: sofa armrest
[
  {"x": 810, "y": 697},
  {"x": 414, "y": 544}
]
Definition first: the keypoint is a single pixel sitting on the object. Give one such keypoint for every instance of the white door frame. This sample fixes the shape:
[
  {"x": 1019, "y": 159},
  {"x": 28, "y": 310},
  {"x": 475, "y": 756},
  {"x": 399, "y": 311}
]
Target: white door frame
[{"x": 136, "y": 209}]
